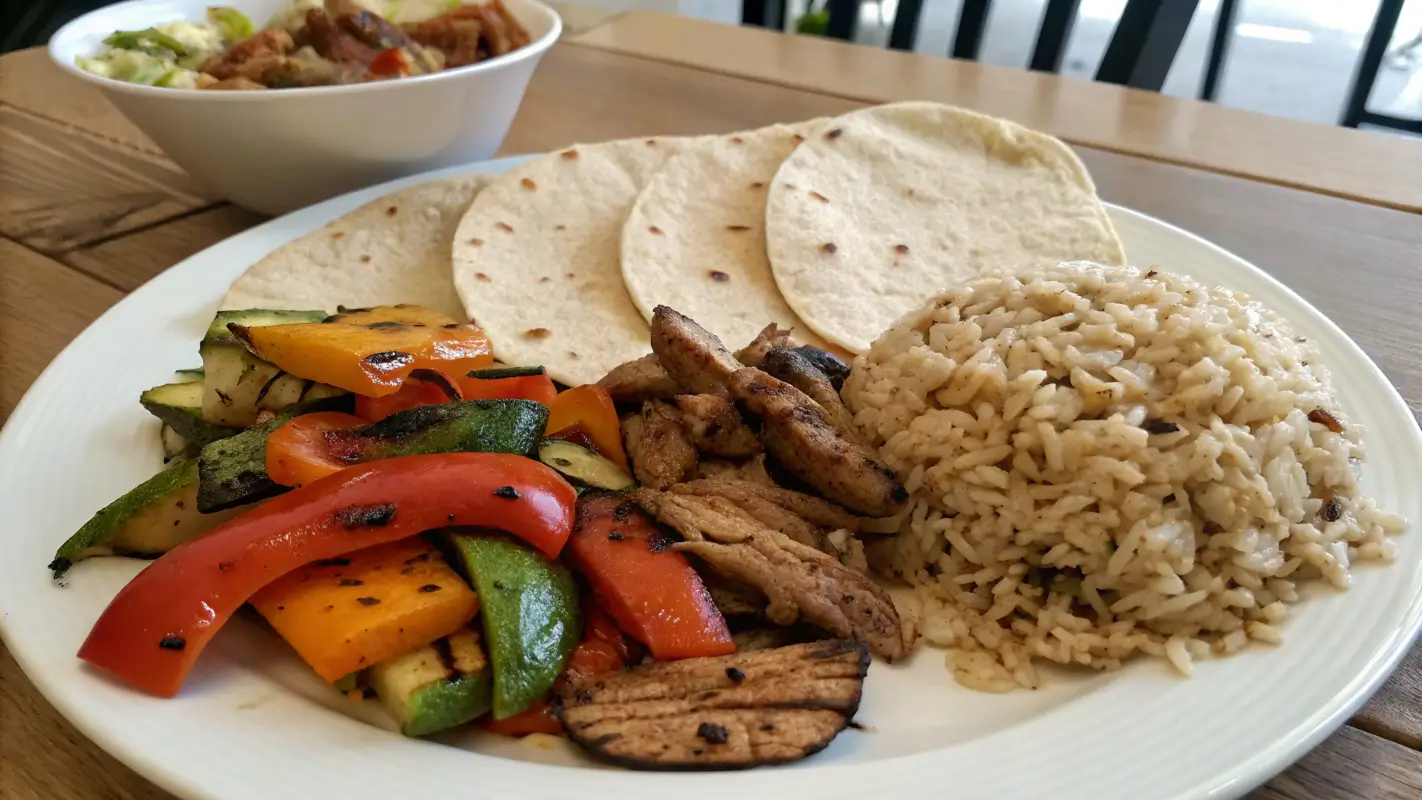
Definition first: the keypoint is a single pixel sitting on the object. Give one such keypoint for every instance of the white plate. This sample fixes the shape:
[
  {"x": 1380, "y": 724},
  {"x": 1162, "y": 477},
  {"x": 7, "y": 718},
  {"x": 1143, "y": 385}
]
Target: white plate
[{"x": 253, "y": 722}]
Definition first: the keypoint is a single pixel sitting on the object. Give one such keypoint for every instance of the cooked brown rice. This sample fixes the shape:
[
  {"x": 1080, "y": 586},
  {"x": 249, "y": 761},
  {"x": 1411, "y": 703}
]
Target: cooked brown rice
[{"x": 1104, "y": 462}]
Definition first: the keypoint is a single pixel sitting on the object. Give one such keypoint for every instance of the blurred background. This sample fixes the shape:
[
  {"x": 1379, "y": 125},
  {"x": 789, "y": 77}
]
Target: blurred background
[{"x": 1354, "y": 62}]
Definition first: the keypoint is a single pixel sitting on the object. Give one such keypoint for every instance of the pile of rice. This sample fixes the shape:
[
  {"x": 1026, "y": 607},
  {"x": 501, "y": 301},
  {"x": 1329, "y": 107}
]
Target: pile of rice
[{"x": 1103, "y": 462}]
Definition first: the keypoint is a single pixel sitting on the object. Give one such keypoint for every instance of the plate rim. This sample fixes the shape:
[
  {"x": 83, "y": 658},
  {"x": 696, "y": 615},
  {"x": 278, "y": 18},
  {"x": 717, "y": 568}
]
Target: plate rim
[{"x": 1249, "y": 771}]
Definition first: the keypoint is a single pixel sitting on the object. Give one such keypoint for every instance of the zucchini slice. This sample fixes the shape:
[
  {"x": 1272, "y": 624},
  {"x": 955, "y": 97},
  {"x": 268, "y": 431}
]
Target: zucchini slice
[{"x": 584, "y": 467}]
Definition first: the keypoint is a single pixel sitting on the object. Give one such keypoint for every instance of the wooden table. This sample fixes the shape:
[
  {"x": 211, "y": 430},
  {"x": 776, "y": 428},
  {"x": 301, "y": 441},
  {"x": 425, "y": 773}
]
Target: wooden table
[{"x": 90, "y": 209}]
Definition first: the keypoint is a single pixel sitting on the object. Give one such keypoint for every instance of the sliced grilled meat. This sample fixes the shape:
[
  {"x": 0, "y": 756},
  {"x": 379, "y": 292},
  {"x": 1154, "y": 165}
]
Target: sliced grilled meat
[
  {"x": 771, "y": 336},
  {"x": 797, "y": 434},
  {"x": 249, "y": 57},
  {"x": 639, "y": 381},
  {"x": 796, "y": 370},
  {"x": 732, "y": 598},
  {"x": 833, "y": 368},
  {"x": 715, "y": 426},
  {"x": 798, "y": 580},
  {"x": 820, "y": 513},
  {"x": 751, "y": 470},
  {"x": 661, "y": 451},
  {"x": 691, "y": 355},
  {"x": 728, "y": 712}
]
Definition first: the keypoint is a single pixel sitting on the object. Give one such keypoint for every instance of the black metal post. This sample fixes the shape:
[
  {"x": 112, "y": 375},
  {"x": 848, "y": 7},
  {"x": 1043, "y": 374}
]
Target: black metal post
[
  {"x": 1219, "y": 49},
  {"x": 1379, "y": 37},
  {"x": 905, "y": 31},
  {"x": 1145, "y": 43},
  {"x": 1057, "y": 21},
  {"x": 843, "y": 19},
  {"x": 972, "y": 21},
  {"x": 764, "y": 13}
]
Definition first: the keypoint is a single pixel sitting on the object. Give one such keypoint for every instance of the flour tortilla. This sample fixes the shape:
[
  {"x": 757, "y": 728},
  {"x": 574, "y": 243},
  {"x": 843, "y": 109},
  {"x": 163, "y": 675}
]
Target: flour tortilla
[
  {"x": 392, "y": 250},
  {"x": 536, "y": 259},
  {"x": 893, "y": 204},
  {"x": 695, "y": 240}
]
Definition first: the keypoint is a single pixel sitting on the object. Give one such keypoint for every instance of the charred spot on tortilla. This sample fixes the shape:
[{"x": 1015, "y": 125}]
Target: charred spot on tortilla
[
  {"x": 571, "y": 275},
  {"x": 799, "y": 138},
  {"x": 476, "y": 241},
  {"x": 738, "y": 140},
  {"x": 651, "y": 142},
  {"x": 392, "y": 211},
  {"x": 655, "y": 229},
  {"x": 538, "y": 333},
  {"x": 901, "y": 248},
  {"x": 545, "y": 279},
  {"x": 528, "y": 184},
  {"x": 480, "y": 276},
  {"x": 365, "y": 259},
  {"x": 368, "y": 601},
  {"x": 503, "y": 226},
  {"x": 560, "y": 227},
  {"x": 737, "y": 227},
  {"x": 371, "y": 516},
  {"x": 338, "y": 235},
  {"x": 569, "y": 154},
  {"x": 818, "y": 196},
  {"x": 757, "y": 184},
  {"x": 719, "y": 276},
  {"x": 829, "y": 247}
]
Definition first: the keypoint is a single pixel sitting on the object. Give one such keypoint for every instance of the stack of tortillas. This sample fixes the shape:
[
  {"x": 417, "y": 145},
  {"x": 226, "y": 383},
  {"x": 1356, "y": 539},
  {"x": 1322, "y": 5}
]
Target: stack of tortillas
[{"x": 832, "y": 227}]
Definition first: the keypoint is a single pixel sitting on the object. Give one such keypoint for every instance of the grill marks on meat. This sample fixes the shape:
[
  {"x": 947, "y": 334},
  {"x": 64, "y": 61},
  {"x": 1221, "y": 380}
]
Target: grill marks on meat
[
  {"x": 471, "y": 33},
  {"x": 753, "y": 354},
  {"x": 751, "y": 470},
  {"x": 801, "y": 517},
  {"x": 715, "y": 426},
  {"x": 691, "y": 355},
  {"x": 639, "y": 381},
  {"x": 728, "y": 712},
  {"x": 793, "y": 368},
  {"x": 658, "y": 445},
  {"x": 796, "y": 433},
  {"x": 797, "y": 580}
]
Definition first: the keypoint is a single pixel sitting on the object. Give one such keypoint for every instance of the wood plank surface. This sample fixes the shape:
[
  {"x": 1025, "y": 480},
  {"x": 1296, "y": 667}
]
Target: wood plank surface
[
  {"x": 126, "y": 262},
  {"x": 30, "y": 81},
  {"x": 61, "y": 187},
  {"x": 1372, "y": 167},
  {"x": 1350, "y": 765},
  {"x": 43, "y": 306}
]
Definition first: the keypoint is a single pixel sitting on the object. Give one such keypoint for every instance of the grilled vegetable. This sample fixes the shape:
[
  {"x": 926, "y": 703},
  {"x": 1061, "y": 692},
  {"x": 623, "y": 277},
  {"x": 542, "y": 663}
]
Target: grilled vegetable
[
  {"x": 238, "y": 385},
  {"x": 588, "y": 409},
  {"x": 153, "y": 631},
  {"x": 527, "y": 383},
  {"x": 369, "y": 351},
  {"x": 179, "y": 405},
  {"x": 349, "y": 613},
  {"x": 438, "y": 686},
  {"x": 530, "y": 613},
  {"x": 584, "y": 467}
]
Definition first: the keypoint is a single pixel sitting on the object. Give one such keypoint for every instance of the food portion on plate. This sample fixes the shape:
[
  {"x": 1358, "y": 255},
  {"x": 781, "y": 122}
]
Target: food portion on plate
[
  {"x": 520, "y": 486},
  {"x": 310, "y": 43}
]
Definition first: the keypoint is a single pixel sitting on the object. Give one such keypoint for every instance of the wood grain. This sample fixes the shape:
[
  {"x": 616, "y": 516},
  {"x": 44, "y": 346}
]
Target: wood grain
[
  {"x": 43, "y": 306},
  {"x": 1395, "y": 712},
  {"x": 43, "y": 756},
  {"x": 30, "y": 81},
  {"x": 1350, "y": 765},
  {"x": 61, "y": 187},
  {"x": 1372, "y": 167},
  {"x": 127, "y": 262}
]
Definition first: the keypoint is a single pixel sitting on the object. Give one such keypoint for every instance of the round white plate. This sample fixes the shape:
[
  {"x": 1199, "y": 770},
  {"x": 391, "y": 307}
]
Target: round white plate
[{"x": 253, "y": 722}]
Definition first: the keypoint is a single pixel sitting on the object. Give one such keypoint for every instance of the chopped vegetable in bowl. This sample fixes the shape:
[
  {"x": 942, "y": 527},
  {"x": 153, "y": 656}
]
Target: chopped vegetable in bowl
[{"x": 310, "y": 43}]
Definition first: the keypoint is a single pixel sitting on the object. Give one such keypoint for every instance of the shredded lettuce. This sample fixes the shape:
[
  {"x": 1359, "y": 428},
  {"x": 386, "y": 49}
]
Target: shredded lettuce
[
  {"x": 233, "y": 24},
  {"x": 147, "y": 40}
]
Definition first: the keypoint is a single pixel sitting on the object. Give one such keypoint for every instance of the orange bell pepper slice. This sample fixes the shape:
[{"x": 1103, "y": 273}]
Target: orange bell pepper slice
[
  {"x": 590, "y": 407},
  {"x": 413, "y": 394},
  {"x": 370, "y": 351},
  {"x": 297, "y": 452}
]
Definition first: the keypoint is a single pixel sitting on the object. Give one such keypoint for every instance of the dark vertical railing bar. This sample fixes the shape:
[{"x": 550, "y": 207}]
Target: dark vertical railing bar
[
  {"x": 972, "y": 22},
  {"x": 843, "y": 19},
  {"x": 1379, "y": 37},
  {"x": 1219, "y": 50},
  {"x": 764, "y": 13},
  {"x": 1057, "y": 21},
  {"x": 905, "y": 31},
  {"x": 1145, "y": 43}
]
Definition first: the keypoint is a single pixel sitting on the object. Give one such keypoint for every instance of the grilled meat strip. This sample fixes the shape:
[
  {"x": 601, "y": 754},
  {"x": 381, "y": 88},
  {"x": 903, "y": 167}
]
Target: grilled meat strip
[
  {"x": 828, "y": 363},
  {"x": 793, "y": 368},
  {"x": 817, "y": 512},
  {"x": 770, "y": 337},
  {"x": 639, "y": 381},
  {"x": 658, "y": 445},
  {"x": 691, "y": 355},
  {"x": 795, "y": 431},
  {"x": 797, "y": 579},
  {"x": 727, "y": 712},
  {"x": 751, "y": 470},
  {"x": 715, "y": 426},
  {"x": 732, "y": 598}
]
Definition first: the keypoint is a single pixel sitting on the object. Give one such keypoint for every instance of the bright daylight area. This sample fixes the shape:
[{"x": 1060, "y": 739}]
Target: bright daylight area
[{"x": 907, "y": 398}]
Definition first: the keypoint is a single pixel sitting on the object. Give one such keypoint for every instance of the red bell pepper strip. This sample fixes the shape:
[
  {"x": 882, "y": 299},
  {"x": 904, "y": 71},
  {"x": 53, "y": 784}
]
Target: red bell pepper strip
[
  {"x": 591, "y": 407},
  {"x": 602, "y": 650},
  {"x": 412, "y": 394},
  {"x": 153, "y": 631},
  {"x": 538, "y": 388},
  {"x": 652, "y": 591},
  {"x": 297, "y": 452}
]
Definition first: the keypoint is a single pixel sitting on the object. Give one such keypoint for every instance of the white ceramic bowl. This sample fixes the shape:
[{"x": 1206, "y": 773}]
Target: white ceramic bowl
[{"x": 278, "y": 150}]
